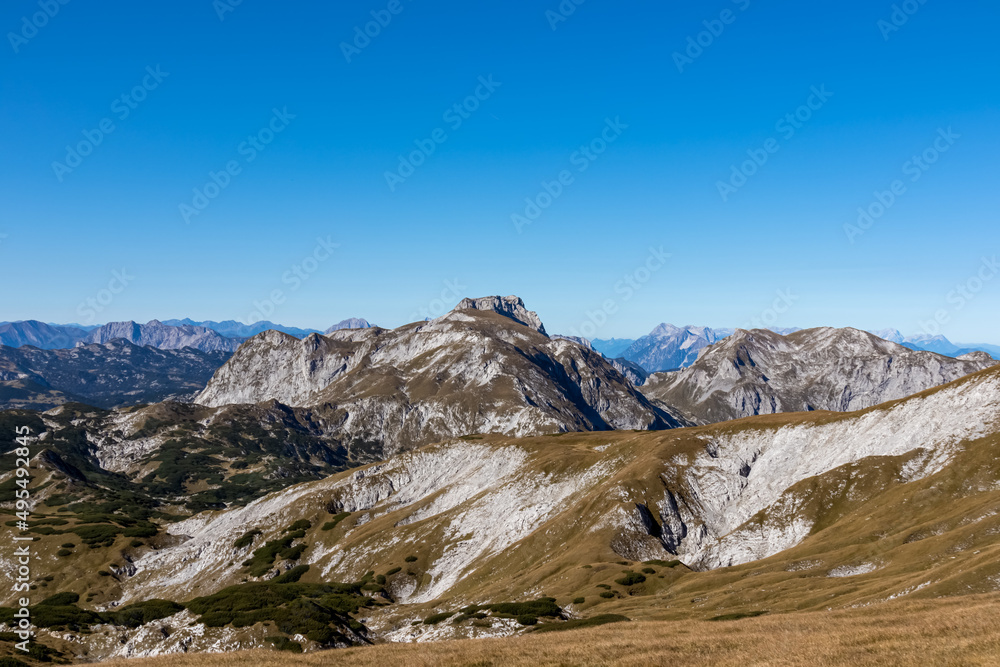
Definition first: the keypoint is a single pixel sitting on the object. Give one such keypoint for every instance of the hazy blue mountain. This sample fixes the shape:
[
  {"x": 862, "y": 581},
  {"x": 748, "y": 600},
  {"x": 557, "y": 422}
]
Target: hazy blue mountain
[
  {"x": 234, "y": 329},
  {"x": 668, "y": 347},
  {"x": 165, "y": 336},
  {"x": 938, "y": 343},
  {"x": 39, "y": 334},
  {"x": 351, "y": 323},
  {"x": 611, "y": 348}
]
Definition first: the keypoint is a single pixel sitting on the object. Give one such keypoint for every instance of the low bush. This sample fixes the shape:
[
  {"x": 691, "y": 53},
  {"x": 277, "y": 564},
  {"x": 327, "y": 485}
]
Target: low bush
[
  {"x": 332, "y": 523},
  {"x": 292, "y": 575},
  {"x": 737, "y": 616},
  {"x": 285, "y": 644},
  {"x": 630, "y": 579},
  {"x": 246, "y": 539},
  {"x": 662, "y": 563},
  {"x": 434, "y": 619},
  {"x": 600, "y": 619}
]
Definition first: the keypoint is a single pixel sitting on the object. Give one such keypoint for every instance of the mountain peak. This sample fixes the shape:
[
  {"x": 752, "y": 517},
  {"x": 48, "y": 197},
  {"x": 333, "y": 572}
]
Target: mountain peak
[
  {"x": 508, "y": 306},
  {"x": 350, "y": 323}
]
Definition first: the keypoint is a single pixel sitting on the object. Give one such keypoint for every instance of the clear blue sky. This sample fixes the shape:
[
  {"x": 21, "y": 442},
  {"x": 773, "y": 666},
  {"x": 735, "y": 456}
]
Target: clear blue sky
[{"x": 656, "y": 185}]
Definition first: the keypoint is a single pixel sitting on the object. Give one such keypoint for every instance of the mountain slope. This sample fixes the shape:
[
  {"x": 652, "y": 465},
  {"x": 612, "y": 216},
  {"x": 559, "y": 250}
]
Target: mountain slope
[
  {"x": 761, "y": 372},
  {"x": 668, "y": 347},
  {"x": 40, "y": 335},
  {"x": 473, "y": 370},
  {"x": 104, "y": 375},
  {"x": 776, "y": 513},
  {"x": 165, "y": 337}
]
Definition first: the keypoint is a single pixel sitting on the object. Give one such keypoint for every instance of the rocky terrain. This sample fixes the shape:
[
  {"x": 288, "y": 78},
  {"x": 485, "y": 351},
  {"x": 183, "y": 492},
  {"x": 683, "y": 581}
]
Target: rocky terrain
[
  {"x": 486, "y": 367},
  {"x": 761, "y": 372},
  {"x": 488, "y": 535},
  {"x": 105, "y": 375},
  {"x": 668, "y": 347},
  {"x": 471, "y": 476},
  {"x": 157, "y": 334}
]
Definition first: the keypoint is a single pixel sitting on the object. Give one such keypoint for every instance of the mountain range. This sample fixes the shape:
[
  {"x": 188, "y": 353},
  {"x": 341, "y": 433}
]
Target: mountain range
[
  {"x": 486, "y": 367},
  {"x": 473, "y": 476},
  {"x": 490, "y": 535},
  {"x": 761, "y": 372},
  {"x": 668, "y": 347},
  {"x": 106, "y": 375}
]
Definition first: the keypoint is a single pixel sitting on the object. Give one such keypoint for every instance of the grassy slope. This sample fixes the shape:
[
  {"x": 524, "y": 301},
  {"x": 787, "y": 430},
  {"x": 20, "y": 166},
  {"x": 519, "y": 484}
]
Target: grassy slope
[
  {"x": 940, "y": 632},
  {"x": 930, "y": 538}
]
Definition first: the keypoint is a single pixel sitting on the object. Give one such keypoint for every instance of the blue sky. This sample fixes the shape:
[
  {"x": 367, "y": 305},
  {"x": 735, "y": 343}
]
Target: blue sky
[{"x": 661, "y": 131}]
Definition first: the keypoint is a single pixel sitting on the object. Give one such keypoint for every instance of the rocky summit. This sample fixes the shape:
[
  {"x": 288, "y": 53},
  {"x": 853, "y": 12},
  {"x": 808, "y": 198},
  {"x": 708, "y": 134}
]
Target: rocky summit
[
  {"x": 761, "y": 372},
  {"x": 485, "y": 367}
]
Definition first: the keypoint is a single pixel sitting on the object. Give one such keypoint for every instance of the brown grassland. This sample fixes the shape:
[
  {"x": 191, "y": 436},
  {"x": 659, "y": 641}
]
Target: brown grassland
[{"x": 954, "y": 631}]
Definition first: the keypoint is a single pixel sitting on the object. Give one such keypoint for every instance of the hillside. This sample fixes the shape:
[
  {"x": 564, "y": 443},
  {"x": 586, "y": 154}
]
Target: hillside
[
  {"x": 778, "y": 513},
  {"x": 105, "y": 375},
  {"x": 762, "y": 372}
]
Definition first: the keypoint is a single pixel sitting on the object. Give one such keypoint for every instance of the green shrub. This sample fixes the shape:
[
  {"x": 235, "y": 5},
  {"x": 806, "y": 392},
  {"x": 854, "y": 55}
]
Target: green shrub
[
  {"x": 285, "y": 644},
  {"x": 246, "y": 539},
  {"x": 527, "y": 619},
  {"x": 67, "y": 545},
  {"x": 301, "y": 524},
  {"x": 579, "y": 600},
  {"x": 434, "y": 619},
  {"x": 62, "y": 553},
  {"x": 649, "y": 570},
  {"x": 410, "y": 559},
  {"x": 607, "y": 594},
  {"x": 102, "y": 535},
  {"x": 393, "y": 571},
  {"x": 600, "y": 619},
  {"x": 140, "y": 613},
  {"x": 662, "y": 563},
  {"x": 292, "y": 575},
  {"x": 332, "y": 523},
  {"x": 631, "y": 579},
  {"x": 264, "y": 557},
  {"x": 60, "y": 599},
  {"x": 737, "y": 616},
  {"x": 104, "y": 573},
  {"x": 295, "y": 608}
]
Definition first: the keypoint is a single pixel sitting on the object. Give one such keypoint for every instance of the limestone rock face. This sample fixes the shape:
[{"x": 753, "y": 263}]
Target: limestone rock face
[
  {"x": 487, "y": 367},
  {"x": 668, "y": 347},
  {"x": 164, "y": 336},
  {"x": 508, "y": 306},
  {"x": 761, "y": 372}
]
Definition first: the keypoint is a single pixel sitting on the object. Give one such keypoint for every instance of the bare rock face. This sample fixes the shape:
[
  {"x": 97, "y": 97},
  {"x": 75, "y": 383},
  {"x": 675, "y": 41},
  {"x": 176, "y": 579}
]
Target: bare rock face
[
  {"x": 668, "y": 347},
  {"x": 508, "y": 306},
  {"x": 761, "y": 372},
  {"x": 475, "y": 370},
  {"x": 164, "y": 336}
]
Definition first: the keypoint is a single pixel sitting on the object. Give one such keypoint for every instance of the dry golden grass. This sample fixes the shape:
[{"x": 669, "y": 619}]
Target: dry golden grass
[{"x": 955, "y": 631}]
